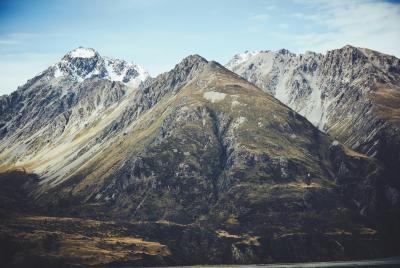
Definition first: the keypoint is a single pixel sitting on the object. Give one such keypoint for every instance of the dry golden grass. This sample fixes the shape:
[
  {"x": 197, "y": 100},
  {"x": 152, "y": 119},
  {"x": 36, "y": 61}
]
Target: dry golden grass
[
  {"x": 387, "y": 102},
  {"x": 367, "y": 231},
  {"x": 303, "y": 185},
  {"x": 96, "y": 250},
  {"x": 77, "y": 243},
  {"x": 244, "y": 238},
  {"x": 225, "y": 234},
  {"x": 337, "y": 231},
  {"x": 352, "y": 153}
]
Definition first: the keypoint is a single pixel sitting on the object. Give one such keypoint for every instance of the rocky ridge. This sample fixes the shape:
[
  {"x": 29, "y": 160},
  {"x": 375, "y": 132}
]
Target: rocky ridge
[
  {"x": 353, "y": 94},
  {"x": 197, "y": 152}
]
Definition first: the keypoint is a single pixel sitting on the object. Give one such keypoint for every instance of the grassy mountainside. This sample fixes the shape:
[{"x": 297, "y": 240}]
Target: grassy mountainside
[{"x": 216, "y": 171}]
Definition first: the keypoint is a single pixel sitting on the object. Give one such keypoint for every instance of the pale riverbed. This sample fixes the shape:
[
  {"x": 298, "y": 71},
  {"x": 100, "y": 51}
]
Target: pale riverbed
[{"x": 389, "y": 262}]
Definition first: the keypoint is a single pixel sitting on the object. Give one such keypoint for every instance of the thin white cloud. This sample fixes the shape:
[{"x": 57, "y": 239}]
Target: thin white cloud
[
  {"x": 360, "y": 23},
  {"x": 17, "y": 38},
  {"x": 13, "y": 39},
  {"x": 8, "y": 42}
]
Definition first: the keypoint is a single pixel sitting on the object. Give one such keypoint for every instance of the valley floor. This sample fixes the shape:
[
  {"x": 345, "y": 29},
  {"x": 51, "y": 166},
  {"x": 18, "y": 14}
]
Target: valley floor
[{"x": 42, "y": 241}]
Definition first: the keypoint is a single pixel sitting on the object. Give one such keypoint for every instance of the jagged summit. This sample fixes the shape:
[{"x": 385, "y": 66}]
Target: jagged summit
[
  {"x": 349, "y": 47},
  {"x": 82, "y": 63},
  {"x": 192, "y": 60},
  {"x": 248, "y": 54},
  {"x": 185, "y": 70},
  {"x": 354, "y": 48}
]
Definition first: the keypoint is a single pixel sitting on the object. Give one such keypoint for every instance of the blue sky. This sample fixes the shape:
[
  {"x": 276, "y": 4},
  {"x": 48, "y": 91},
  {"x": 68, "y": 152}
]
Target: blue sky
[{"x": 157, "y": 34}]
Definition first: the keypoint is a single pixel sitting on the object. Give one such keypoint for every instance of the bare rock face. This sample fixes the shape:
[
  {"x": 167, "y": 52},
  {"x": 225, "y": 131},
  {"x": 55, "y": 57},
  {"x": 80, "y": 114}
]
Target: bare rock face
[
  {"x": 200, "y": 161},
  {"x": 342, "y": 92},
  {"x": 46, "y": 121},
  {"x": 353, "y": 94}
]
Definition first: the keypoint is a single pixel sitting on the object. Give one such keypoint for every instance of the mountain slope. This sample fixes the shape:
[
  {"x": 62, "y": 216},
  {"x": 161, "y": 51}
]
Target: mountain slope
[
  {"x": 324, "y": 87},
  {"x": 46, "y": 121},
  {"x": 353, "y": 94},
  {"x": 212, "y": 169}
]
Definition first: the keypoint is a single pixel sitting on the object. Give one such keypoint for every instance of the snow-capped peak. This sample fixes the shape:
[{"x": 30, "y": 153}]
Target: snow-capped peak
[
  {"x": 82, "y": 52},
  {"x": 125, "y": 72},
  {"x": 83, "y": 63}
]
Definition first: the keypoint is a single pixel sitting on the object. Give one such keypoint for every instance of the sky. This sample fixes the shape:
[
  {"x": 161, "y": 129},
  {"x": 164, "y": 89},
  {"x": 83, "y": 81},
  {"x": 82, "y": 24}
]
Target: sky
[{"x": 157, "y": 34}]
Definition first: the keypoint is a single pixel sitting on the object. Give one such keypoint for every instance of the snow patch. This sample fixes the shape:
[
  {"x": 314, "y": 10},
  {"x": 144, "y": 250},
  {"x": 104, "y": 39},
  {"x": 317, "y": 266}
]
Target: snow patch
[
  {"x": 81, "y": 52},
  {"x": 214, "y": 96},
  {"x": 57, "y": 72}
]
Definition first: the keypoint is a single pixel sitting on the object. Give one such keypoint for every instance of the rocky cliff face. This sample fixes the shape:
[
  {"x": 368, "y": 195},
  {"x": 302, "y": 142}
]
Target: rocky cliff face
[
  {"x": 353, "y": 94},
  {"x": 340, "y": 92},
  {"x": 197, "y": 152}
]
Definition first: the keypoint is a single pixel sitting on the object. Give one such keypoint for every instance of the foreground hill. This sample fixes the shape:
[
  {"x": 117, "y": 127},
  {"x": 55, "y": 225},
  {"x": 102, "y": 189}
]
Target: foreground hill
[{"x": 194, "y": 166}]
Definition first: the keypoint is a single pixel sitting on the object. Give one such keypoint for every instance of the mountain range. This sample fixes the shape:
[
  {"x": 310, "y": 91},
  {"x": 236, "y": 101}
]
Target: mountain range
[{"x": 274, "y": 157}]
